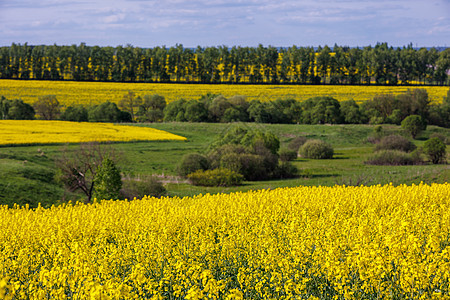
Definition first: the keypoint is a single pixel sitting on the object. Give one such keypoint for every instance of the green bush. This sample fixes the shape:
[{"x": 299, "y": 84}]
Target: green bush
[
  {"x": 138, "y": 188},
  {"x": 316, "y": 149},
  {"x": 287, "y": 155},
  {"x": 286, "y": 170},
  {"x": 394, "y": 158},
  {"x": 296, "y": 143},
  {"x": 191, "y": 163},
  {"x": 216, "y": 177},
  {"x": 443, "y": 138},
  {"x": 395, "y": 142},
  {"x": 435, "y": 149}
]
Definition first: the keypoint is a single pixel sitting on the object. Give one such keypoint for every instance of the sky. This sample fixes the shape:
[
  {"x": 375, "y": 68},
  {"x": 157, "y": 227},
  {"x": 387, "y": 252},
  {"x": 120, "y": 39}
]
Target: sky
[{"x": 279, "y": 23}]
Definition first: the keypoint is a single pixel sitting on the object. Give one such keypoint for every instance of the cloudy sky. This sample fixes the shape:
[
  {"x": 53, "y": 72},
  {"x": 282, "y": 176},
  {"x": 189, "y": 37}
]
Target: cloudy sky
[{"x": 149, "y": 23}]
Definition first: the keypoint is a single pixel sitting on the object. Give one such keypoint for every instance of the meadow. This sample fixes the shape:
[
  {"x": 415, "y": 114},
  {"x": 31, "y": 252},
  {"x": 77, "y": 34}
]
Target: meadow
[
  {"x": 28, "y": 172},
  {"x": 336, "y": 242},
  {"x": 90, "y": 93}
]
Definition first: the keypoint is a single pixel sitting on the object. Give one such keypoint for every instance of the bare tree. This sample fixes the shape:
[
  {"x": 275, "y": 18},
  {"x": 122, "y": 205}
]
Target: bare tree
[{"x": 79, "y": 167}]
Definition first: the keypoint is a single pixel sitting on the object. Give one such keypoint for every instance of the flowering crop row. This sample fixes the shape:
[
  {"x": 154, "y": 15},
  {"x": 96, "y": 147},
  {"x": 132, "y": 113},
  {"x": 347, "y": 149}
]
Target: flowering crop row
[
  {"x": 14, "y": 132},
  {"x": 86, "y": 93},
  {"x": 289, "y": 243}
]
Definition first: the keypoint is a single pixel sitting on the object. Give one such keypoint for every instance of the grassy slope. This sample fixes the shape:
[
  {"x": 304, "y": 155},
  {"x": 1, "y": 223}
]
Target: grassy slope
[{"x": 26, "y": 173}]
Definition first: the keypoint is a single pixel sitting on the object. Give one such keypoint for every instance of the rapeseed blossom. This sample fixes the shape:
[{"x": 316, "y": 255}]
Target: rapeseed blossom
[
  {"x": 90, "y": 93},
  {"x": 13, "y": 132},
  {"x": 289, "y": 243}
]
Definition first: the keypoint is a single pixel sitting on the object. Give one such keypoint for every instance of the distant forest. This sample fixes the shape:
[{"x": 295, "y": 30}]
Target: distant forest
[{"x": 381, "y": 64}]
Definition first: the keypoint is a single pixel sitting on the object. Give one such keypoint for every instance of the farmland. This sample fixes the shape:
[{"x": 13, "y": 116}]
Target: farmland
[
  {"x": 90, "y": 93},
  {"x": 304, "y": 242},
  {"x": 16, "y": 132}
]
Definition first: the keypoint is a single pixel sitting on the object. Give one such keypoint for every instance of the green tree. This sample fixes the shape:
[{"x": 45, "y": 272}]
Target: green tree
[
  {"x": 108, "y": 112},
  {"x": 130, "y": 103},
  {"x": 77, "y": 113},
  {"x": 435, "y": 149},
  {"x": 107, "y": 181},
  {"x": 413, "y": 124},
  {"x": 47, "y": 107}
]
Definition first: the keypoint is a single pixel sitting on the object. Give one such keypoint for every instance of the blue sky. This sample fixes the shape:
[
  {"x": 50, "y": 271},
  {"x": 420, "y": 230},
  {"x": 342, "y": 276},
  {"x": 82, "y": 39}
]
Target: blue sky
[{"x": 149, "y": 23}]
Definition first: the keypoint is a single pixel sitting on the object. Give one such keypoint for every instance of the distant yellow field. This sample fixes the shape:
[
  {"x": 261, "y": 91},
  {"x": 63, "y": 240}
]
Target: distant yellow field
[
  {"x": 71, "y": 92},
  {"x": 48, "y": 132}
]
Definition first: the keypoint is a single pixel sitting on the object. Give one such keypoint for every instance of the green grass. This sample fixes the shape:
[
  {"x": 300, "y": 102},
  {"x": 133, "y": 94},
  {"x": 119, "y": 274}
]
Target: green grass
[{"x": 27, "y": 172}]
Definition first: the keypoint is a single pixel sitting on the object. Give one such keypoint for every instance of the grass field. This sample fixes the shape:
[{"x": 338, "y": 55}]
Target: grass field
[
  {"x": 86, "y": 93},
  {"x": 27, "y": 171}
]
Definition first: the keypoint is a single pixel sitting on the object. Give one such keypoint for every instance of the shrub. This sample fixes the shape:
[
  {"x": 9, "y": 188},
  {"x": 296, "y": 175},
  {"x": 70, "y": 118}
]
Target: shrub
[
  {"x": 435, "y": 149},
  {"x": 191, "y": 163},
  {"x": 108, "y": 181},
  {"x": 138, "y": 188},
  {"x": 413, "y": 124},
  {"x": 287, "y": 155},
  {"x": 75, "y": 113},
  {"x": 394, "y": 158},
  {"x": 377, "y": 135},
  {"x": 443, "y": 138},
  {"x": 296, "y": 143},
  {"x": 216, "y": 177},
  {"x": 286, "y": 170},
  {"x": 395, "y": 142},
  {"x": 317, "y": 149}
]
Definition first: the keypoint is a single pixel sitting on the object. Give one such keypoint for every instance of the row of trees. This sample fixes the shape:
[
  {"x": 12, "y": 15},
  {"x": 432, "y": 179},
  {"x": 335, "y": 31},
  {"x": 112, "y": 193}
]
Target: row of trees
[
  {"x": 218, "y": 109},
  {"x": 381, "y": 64}
]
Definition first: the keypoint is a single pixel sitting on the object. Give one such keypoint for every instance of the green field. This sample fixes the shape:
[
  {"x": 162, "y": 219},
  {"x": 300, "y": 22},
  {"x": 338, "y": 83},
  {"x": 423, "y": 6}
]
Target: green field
[{"x": 27, "y": 172}]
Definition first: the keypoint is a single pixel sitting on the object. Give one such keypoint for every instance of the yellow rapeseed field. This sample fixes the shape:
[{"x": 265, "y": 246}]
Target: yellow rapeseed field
[
  {"x": 86, "y": 93},
  {"x": 378, "y": 242},
  {"x": 14, "y": 132}
]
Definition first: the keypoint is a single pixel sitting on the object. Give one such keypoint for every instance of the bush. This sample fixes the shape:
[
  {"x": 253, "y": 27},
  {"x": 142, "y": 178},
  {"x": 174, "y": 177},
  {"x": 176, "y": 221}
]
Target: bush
[
  {"x": 216, "y": 177},
  {"x": 287, "y": 155},
  {"x": 191, "y": 163},
  {"x": 75, "y": 113},
  {"x": 286, "y": 170},
  {"x": 443, "y": 138},
  {"x": 377, "y": 135},
  {"x": 435, "y": 149},
  {"x": 395, "y": 142},
  {"x": 138, "y": 188},
  {"x": 296, "y": 143},
  {"x": 394, "y": 158},
  {"x": 317, "y": 149}
]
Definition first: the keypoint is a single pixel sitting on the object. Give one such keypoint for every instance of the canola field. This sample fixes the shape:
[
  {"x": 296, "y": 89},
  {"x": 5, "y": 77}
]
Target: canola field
[
  {"x": 24, "y": 132},
  {"x": 90, "y": 93},
  {"x": 378, "y": 242}
]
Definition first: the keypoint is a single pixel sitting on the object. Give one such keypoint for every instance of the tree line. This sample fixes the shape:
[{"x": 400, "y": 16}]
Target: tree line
[
  {"x": 381, "y": 109},
  {"x": 381, "y": 64}
]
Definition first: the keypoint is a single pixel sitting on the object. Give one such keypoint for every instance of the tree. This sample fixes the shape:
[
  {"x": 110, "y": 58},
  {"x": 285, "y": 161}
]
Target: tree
[
  {"x": 107, "y": 180},
  {"x": 77, "y": 169},
  {"x": 435, "y": 149},
  {"x": 77, "y": 113},
  {"x": 47, "y": 107},
  {"x": 152, "y": 108},
  {"x": 129, "y": 103},
  {"x": 108, "y": 112},
  {"x": 413, "y": 124}
]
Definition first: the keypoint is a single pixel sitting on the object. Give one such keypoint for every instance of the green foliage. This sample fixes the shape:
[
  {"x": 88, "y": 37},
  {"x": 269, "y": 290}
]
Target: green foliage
[
  {"x": 19, "y": 110},
  {"x": 395, "y": 142},
  {"x": 152, "y": 108},
  {"x": 108, "y": 112},
  {"x": 296, "y": 143},
  {"x": 107, "y": 181},
  {"x": 47, "y": 107},
  {"x": 394, "y": 158},
  {"x": 351, "y": 112},
  {"x": 216, "y": 177},
  {"x": 321, "y": 110},
  {"x": 191, "y": 163},
  {"x": 435, "y": 149},
  {"x": 316, "y": 149},
  {"x": 413, "y": 124},
  {"x": 287, "y": 155},
  {"x": 143, "y": 186},
  {"x": 75, "y": 113}
]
